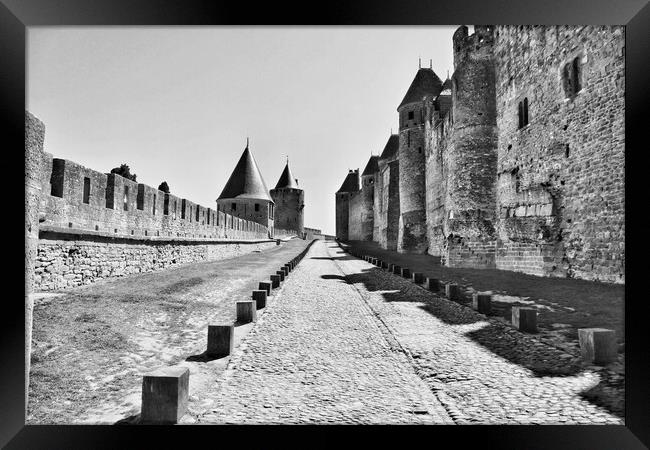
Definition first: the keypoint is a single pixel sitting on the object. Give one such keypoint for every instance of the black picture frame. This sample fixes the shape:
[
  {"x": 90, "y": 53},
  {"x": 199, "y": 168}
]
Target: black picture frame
[{"x": 16, "y": 15}]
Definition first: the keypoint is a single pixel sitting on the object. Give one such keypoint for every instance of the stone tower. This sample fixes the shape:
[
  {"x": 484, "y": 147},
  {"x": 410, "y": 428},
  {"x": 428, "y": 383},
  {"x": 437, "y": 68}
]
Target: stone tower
[
  {"x": 246, "y": 195},
  {"x": 387, "y": 195},
  {"x": 366, "y": 219},
  {"x": 289, "y": 203},
  {"x": 349, "y": 187},
  {"x": 412, "y": 234},
  {"x": 472, "y": 157}
]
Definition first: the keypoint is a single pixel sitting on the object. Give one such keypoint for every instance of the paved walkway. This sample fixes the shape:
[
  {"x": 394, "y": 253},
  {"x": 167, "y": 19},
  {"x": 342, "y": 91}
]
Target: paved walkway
[
  {"x": 318, "y": 355},
  {"x": 347, "y": 342},
  {"x": 482, "y": 370}
]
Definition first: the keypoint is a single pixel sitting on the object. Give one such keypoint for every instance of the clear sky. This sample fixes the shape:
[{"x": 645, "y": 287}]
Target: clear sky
[{"x": 177, "y": 103}]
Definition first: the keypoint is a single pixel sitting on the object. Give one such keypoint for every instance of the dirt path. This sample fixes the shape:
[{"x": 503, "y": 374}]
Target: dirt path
[{"x": 92, "y": 344}]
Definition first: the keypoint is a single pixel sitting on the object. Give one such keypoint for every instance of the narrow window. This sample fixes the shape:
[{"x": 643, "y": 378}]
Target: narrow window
[
  {"x": 153, "y": 207},
  {"x": 233, "y": 207},
  {"x": 408, "y": 137},
  {"x": 411, "y": 115},
  {"x": 126, "y": 198},
  {"x": 175, "y": 208},
  {"x": 86, "y": 198},
  {"x": 571, "y": 77},
  {"x": 521, "y": 115},
  {"x": 257, "y": 206},
  {"x": 576, "y": 75},
  {"x": 198, "y": 211},
  {"x": 525, "y": 111}
]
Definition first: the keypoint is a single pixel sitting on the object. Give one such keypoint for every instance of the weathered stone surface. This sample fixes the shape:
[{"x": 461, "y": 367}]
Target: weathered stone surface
[
  {"x": 482, "y": 302},
  {"x": 598, "y": 345},
  {"x": 433, "y": 284},
  {"x": 165, "y": 395},
  {"x": 524, "y": 319},
  {"x": 260, "y": 298},
  {"x": 275, "y": 281},
  {"x": 265, "y": 286},
  {"x": 452, "y": 291},
  {"x": 246, "y": 312},
  {"x": 221, "y": 340},
  {"x": 480, "y": 189}
]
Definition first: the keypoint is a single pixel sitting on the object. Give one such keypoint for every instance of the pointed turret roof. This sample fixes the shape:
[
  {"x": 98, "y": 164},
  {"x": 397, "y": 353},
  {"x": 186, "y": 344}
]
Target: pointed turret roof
[
  {"x": 286, "y": 179},
  {"x": 246, "y": 180},
  {"x": 351, "y": 183},
  {"x": 446, "y": 85},
  {"x": 426, "y": 82},
  {"x": 372, "y": 166},
  {"x": 391, "y": 148}
]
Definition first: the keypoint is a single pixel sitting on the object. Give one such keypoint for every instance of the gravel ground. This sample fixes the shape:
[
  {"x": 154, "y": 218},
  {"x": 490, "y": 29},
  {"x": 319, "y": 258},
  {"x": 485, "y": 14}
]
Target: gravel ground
[
  {"x": 482, "y": 370},
  {"x": 92, "y": 344},
  {"x": 319, "y": 355}
]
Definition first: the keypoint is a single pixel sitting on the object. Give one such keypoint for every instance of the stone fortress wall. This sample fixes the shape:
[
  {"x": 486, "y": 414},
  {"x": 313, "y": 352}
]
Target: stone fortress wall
[
  {"x": 93, "y": 226},
  {"x": 524, "y": 162}
]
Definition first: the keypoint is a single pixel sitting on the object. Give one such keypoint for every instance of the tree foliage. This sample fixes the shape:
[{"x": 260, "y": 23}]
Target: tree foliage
[
  {"x": 164, "y": 187},
  {"x": 124, "y": 171}
]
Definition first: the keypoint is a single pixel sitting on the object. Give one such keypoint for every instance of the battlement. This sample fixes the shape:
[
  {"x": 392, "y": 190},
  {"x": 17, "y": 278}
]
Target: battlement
[
  {"x": 79, "y": 198},
  {"x": 473, "y": 46}
]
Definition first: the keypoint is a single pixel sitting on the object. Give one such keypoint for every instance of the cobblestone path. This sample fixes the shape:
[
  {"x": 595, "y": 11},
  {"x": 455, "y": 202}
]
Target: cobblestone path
[
  {"x": 318, "y": 355},
  {"x": 482, "y": 370}
]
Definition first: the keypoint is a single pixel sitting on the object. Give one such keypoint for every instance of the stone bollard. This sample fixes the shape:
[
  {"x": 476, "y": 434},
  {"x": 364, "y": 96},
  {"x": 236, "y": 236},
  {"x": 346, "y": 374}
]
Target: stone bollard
[
  {"x": 260, "y": 299},
  {"x": 384, "y": 265},
  {"x": 280, "y": 274},
  {"x": 288, "y": 267},
  {"x": 433, "y": 284},
  {"x": 524, "y": 318},
  {"x": 482, "y": 302},
  {"x": 598, "y": 345},
  {"x": 246, "y": 312},
  {"x": 379, "y": 263},
  {"x": 397, "y": 270},
  {"x": 164, "y": 395},
  {"x": 284, "y": 270},
  {"x": 275, "y": 281},
  {"x": 452, "y": 291},
  {"x": 418, "y": 278},
  {"x": 221, "y": 339},
  {"x": 265, "y": 286},
  {"x": 406, "y": 273}
]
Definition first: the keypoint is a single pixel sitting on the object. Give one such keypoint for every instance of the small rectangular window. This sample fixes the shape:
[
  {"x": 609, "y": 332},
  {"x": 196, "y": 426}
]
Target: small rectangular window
[
  {"x": 198, "y": 212},
  {"x": 86, "y": 198},
  {"x": 233, "y": 207},
  {"x": 257, "y": 206},
  {"x": 411, "y": 115},
  {"x": 153, "y": 209}
]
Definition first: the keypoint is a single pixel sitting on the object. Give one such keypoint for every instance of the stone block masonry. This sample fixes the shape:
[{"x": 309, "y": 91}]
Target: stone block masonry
[
  {"x": 523, "y": 161},
  {"x": 66, "y": 260},
  {"x": 85, "y": 225}
]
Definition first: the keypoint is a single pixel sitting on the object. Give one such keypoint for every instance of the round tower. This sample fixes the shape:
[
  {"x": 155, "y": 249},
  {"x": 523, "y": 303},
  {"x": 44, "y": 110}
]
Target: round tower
[
  {"x": 289, "y": 203},
  {"x": 472, "y": 158},
  {"x": 412, "y": 234}
]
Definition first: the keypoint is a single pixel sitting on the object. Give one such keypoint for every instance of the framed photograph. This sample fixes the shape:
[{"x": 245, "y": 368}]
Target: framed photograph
[{"x": 308, "y": 218}]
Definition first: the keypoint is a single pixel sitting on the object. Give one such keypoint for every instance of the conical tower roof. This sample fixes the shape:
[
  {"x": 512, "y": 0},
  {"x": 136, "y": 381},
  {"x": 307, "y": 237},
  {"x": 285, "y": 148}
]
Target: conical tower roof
[
  {"x": 246, "y": 180},
  {"x": 426, "y": 82},
  {"x": 286, "y": 179},
  {"x": 372, "y": 166},
  {"x": 391, "y": 148},
  {"x": 351, "y": 182}
]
